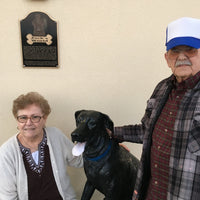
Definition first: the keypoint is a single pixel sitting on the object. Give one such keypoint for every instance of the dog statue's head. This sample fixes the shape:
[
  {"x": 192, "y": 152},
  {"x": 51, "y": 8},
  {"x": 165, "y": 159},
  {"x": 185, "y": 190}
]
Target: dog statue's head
[{"x": 89, "y": 122}]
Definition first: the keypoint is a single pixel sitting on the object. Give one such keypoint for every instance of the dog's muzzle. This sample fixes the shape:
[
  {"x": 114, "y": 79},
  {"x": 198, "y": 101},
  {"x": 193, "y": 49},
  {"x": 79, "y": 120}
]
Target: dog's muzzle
[{"x": 75, "y": 137}]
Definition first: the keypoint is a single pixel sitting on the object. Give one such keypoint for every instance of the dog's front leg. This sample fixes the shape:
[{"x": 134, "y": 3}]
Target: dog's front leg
[
  {"x": 107, "y": 198},
  {"x": 88, "y": 191}
]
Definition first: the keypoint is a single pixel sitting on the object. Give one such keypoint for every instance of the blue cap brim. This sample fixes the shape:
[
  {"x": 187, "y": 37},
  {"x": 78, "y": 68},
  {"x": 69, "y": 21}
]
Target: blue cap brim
[{"x": 188, "y": 41}]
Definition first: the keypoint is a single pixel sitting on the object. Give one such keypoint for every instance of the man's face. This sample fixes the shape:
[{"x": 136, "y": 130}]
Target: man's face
[{"x": 184, "y": 61}]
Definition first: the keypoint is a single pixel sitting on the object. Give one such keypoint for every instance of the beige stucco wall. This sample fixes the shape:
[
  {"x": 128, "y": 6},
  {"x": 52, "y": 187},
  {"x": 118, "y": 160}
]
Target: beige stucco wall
[{"x": 110, "y": 59}]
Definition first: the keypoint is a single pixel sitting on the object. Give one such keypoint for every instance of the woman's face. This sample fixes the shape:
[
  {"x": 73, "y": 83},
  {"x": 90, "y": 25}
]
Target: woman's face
[{"x": 31, "y": 121}]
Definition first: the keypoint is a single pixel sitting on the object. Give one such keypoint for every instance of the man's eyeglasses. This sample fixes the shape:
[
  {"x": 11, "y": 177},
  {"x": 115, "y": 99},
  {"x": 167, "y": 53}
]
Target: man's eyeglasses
[
  {"x": 186, "y": 50},
  {"x": 24, "y": 118}
]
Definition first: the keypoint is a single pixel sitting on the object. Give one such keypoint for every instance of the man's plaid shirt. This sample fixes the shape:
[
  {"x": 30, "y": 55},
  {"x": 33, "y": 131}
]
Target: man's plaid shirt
[{"x": 184, "y": 164}]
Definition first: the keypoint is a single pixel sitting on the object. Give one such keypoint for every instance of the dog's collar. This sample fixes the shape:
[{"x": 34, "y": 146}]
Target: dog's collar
[{"x": 103, "y": 154}]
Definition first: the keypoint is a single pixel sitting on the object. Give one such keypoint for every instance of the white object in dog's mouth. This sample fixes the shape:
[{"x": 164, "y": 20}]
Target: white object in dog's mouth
[{"x": 78, "y": 149}]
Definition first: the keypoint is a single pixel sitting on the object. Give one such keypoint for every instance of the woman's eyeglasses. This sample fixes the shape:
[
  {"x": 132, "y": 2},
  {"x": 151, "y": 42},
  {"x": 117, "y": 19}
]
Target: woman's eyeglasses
[{"x": 24, "y": 118}]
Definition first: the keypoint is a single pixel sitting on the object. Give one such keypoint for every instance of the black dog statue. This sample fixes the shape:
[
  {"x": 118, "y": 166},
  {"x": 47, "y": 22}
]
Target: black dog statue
[{"x": 109, "y": 167}]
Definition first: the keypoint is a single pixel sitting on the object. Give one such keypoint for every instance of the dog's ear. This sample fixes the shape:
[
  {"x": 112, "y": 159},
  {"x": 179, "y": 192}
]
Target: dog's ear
[
  {"x": 77, "y": 113},
  {"x": 108, "y": 122}
]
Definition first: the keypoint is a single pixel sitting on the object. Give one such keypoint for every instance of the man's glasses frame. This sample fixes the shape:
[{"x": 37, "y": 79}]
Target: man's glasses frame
[{"x": 186, "y": 50}]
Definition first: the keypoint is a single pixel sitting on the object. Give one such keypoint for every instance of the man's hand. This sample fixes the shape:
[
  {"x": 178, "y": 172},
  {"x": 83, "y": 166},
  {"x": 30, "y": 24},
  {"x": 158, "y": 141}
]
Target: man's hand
[
  {"x": 124, "y": 146},
  {"x": 110, "y": 134}
]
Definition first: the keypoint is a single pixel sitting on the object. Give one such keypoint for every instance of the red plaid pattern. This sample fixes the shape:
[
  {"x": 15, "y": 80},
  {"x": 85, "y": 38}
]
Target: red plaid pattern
[
  {"x": 161, "y": 142},
  {"x": 184, "y": 163}
]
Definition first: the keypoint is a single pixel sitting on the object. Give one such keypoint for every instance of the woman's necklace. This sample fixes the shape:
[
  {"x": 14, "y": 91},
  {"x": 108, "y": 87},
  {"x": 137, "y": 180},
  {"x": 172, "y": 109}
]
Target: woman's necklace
[{"x": 32, "y": 148}]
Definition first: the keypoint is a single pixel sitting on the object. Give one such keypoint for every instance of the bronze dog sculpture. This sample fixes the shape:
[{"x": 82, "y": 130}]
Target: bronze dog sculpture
[{"x": 109, "y": 167}]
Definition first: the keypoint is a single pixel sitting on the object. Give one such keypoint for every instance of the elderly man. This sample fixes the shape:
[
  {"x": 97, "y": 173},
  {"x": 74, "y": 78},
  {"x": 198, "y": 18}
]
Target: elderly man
[{"x": 170, "y": 128}]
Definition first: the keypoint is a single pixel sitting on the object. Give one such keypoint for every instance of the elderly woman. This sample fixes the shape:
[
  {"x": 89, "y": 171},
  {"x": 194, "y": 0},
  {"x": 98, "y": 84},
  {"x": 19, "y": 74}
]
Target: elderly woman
[{"x": 33, "y": 162}]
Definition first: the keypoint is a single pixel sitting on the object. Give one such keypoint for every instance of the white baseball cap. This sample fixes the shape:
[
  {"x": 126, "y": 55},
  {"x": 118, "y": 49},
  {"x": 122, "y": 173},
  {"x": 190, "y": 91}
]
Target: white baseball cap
[{"x": 183, "y": 31}]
